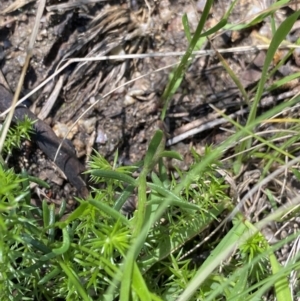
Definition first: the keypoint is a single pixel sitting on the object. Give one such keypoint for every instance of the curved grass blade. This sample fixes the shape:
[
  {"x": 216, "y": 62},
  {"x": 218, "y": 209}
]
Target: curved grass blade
[
  {"x": 282, "y": 290},
  {"x": 123, "y": 197},
  {"x": 154, "y": 149},
  {"x": 184, "y": 61},
  {"x": 110, "y": 174},
  {"x": 75, "y": 281},
  {"x": 109, "y": 211},
  {"x": 279, "y": 36}
]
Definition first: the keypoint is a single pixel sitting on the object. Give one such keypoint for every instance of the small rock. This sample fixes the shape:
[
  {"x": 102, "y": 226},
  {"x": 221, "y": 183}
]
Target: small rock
[
  {"x": 67, "y": 188},
  {"x": 129, "y": 100},
  {"x": 21, "y": 60},
  {"x": 101, "y": 137},
  {"x": 79, "y": 145},
  {"x": 61, "y": 130},
  {"x": 88, "y": 124}
]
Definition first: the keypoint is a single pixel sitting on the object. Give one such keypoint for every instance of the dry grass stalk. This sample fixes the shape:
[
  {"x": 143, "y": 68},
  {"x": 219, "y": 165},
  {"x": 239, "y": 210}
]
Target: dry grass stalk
[{"x": 33, "y": 36}]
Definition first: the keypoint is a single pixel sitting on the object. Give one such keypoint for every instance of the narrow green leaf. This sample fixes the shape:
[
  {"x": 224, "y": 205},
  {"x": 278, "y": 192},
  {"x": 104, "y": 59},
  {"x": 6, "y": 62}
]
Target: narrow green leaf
[
  {"x": 240, "y": 285},
  {"x": 115, "y": 175},
  {"x": 65, "y": 243},
  {"x": 171, "y": 154},
  {"x": 62, "y": 209},
  {"x": 75, "y": 281},
  {"x": 279, "y": 36},
  {"x": 167, "y": 247},
  {"x": 283, "y": 81},
  {"x": 78, "y": 212},
  {"x": 179, "y": 71},
  {"x": 214, "y": 29},
  {"x": 139, "y": 285},
  {"x": 164, "y": 191},
  {"x": 153, "y": 149},
  {"x": 39, "y": 182},
  {"x": 64, "y": 247},
  {"x": 108, "y": 210},
  {"x": 46, "y": 213},
  {"x": 156, "y": 180},
  {"x": 261, "y": 17},
  {"x": 127, "y": 278},
  {"x": 123, "y": 197},
  {"x": 35, "y": 243},
  {"x": 49, "y": 276},
  {"x": 282, "y": 290},
  {"x": 181, "y": 204},
  {"x": 216, "y": 257},
  {"x": 51, "y": 231},
  {"x": 186, "y": 27}
]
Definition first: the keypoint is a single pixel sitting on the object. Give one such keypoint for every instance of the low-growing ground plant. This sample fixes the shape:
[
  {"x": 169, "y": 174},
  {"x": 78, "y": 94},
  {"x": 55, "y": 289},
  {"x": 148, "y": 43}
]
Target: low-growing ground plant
[{"x": 84, "y": 256}]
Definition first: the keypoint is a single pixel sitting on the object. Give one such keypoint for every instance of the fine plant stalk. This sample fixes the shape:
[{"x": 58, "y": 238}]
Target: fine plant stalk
[
  {"x": 278, "y": 37},
  {"x": 184, "y": 61},
  {"x": 156, "y": 146},
  {"x": 23, "y": 73}
]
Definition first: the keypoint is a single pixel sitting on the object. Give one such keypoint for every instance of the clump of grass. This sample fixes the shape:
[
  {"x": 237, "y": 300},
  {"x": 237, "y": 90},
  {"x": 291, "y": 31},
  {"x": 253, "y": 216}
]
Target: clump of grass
[{"x": 21, "y": 131}]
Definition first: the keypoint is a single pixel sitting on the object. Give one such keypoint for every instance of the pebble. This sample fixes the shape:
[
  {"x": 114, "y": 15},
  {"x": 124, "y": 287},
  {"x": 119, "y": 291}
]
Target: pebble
[
  {"x": 21, "y": 60},
  {"x": 61, "y": 130},
  {"x": 67, "y": 188},
  {"x": 101, "y": 137},
  {"x": 88, "y": 124},
  {"x": 129, "y": 100}
]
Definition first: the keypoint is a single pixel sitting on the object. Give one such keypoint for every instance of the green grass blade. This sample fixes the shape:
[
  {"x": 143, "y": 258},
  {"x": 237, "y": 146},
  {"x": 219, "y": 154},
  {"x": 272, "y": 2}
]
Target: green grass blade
[
  {"x": 49, "y": 276},
  {"x": 108, "y": 210},
  {"x": 156, "y": 146},
  {"x": 283, "y": 81},
  {"x": 282, "y": 290},
  {"x": 65, "y": 243},
  {"x": 260, "y": 18},
  {"x": 171, "y": 154},
  {"x": 114, "y": 175},
  {"x": 233, "y": 76},
  {"x": 279, "y": 36},
  {"x": 186, "y": 27},
  {"x": 77, "y": 213},
  {"x": 240, "y": 285},
  {"x": 219, "y": 254},
  {"x": 127, "y": 277},
  {"x": 123, "y": 197},
  {"x": 184, "y": 61},
  {"x": 74, "y": 280},
  {"x": 139, "y": 285},
  {"x": 46, "y": 213}
]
